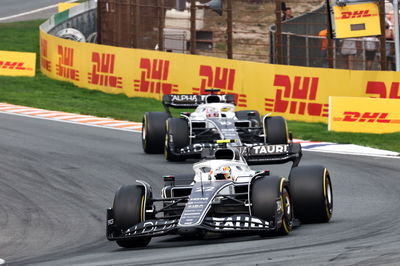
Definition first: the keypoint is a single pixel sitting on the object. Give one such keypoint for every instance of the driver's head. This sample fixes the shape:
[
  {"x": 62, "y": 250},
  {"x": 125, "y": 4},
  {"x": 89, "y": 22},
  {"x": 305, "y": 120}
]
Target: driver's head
[
  {"x": 223, "y": 173},
  {"x": 212, "y": 112}
]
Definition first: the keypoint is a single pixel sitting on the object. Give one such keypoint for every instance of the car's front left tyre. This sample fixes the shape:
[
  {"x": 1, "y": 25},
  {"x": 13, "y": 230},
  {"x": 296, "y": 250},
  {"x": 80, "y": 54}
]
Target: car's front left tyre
[{"x": 129, "y": 209}]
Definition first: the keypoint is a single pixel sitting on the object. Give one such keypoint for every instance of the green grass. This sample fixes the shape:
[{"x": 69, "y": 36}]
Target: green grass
[
  {"x": 319, "y": 132},
  {"x": 46, "y": 93}
]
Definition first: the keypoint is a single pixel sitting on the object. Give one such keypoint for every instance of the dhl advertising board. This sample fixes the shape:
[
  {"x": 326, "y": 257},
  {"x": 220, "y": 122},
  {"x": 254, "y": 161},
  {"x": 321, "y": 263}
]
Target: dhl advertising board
[
  {"x": 17, "y": 64},
  {"x": 364, "y": 115},
  {"x": 355, "y": 20},
  {"x": 297, "y": 93}
]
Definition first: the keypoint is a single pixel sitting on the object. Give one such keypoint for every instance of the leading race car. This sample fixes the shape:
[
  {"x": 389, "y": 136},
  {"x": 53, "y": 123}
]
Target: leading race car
[
  {"x": 213, "y": 119},
  {"x": 224, "y": 195}
]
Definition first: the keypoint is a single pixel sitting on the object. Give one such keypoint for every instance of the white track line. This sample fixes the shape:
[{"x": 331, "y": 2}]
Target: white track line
[
  {"x": 139, "y": 130},
  {"x": 34, "y": 11}
]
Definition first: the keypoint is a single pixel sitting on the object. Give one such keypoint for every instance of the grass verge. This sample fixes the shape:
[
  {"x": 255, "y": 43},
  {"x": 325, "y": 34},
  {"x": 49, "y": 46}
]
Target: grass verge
[{"x": 42, "y": 92}]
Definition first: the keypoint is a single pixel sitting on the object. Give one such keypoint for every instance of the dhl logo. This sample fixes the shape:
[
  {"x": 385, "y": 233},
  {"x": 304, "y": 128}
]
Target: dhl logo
[
  {"x": 44, "y": 62},
  {"x": 103, "y": 67},
  {"x": 366, "y": 117},
  {"x": 219, "y": 78},
  {"x": 154, "y": 77},
  {"x": 378, "y": 88},
  {"x": 14, "y": 65},
  {"x": 356, "y": 14},
  {"x": 296, "y": 96},
  {"x": 65, "y": 62}
]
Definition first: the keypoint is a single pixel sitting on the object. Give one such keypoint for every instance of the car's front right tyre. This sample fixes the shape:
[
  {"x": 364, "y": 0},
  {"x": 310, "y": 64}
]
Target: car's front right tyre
[{"x": 270, "y": 196}]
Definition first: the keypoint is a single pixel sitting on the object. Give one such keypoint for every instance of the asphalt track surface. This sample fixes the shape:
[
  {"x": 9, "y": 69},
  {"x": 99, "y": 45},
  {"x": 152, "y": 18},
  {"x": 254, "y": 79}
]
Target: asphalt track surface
[
  {"x": 10, "y": 8},
  {"x": 57, "y": 179}
]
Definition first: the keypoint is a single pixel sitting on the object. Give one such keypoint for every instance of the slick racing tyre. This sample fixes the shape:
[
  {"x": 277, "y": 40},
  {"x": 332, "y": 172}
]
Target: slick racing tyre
[
  {"x": 153, "y": 133},
  {"x": 311, "y": 191},
  {"x": 271, "y": 201},
  {"x": 252, "y": 115},
  {"x": 129, "y": 210},
  {"x": 276, "y": 130},
  {"x": 176, "y": 138}
]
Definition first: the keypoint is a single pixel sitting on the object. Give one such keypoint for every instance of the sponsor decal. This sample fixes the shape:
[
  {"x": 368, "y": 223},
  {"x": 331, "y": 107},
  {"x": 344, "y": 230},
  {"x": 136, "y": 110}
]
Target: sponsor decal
[
  {"x": 356, "y": 20},
  {"x": 13, "y": 65},
  {"x": 64, "y": 67},
  {"x": 185, "y": 98},
  {"x": 151, "y": 226},
  {"x": 269, "y": 149},
  {"x": 296, "y": 96},
  {"x": 45, "y": 63},
  {"x": 103, "y": 65},
  {"x": 219, "y": 78},
  {"x": 357, "y": 14},
  {"x": 198, "y": 147},
  {"x": 154, "y": 77},
  {"x": 366, "y": 117},
  {"x": 17, "y": 63},
  {"x": 236, "y": 222},
  {"x": 380, "y": 90}
]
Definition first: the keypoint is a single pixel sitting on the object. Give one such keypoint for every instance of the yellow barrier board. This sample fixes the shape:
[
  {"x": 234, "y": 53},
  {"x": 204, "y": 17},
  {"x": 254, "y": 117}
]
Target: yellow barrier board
[
  {"x": 65, "y": 6},
  {"x": 296, "y": 93},
  {"x": 364, "y": 115},
  {"x": 357, "y": 20},
  {"x": 17, "y": 64}
]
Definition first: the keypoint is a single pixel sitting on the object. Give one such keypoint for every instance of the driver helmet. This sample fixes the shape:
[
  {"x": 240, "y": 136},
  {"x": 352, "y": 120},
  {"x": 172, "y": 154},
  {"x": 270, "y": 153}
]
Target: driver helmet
[
  {"x": 223, "y": 173},
  {"x": 212, "y": 112}
]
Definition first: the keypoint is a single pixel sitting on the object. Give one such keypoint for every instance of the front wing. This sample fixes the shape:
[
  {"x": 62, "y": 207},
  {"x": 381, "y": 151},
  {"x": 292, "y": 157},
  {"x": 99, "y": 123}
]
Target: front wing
[{"x": 235, "y": 223}]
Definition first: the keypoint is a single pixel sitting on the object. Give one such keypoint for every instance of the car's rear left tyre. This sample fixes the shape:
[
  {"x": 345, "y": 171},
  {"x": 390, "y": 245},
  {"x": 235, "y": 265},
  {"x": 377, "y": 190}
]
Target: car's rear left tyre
[
  {"x": 311, "y": 190},
  {"x": 276, "y": 130},
  {"x": 269, "y": 196},
  {"x": 153, "y": 132},
  {"x": 129, "y": 209},
  {"x": 176, "y": 138}
]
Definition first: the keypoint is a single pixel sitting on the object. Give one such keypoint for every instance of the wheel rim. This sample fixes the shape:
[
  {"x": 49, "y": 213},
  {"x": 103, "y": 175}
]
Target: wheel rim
[
  {"x": 329, "y": 197},
  {"x": 287, "y": 209},
  {"x": 144, "y": 129},
  {"x": 166, "y": 145}
]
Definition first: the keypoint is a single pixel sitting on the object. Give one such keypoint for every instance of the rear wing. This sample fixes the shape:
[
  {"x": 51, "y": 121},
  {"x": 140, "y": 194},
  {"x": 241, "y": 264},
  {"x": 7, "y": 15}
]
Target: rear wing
[
  {"x": 255, "y": 154},
  {"x": 188, "y": 101},
  {"x": 272, "y": 154}
]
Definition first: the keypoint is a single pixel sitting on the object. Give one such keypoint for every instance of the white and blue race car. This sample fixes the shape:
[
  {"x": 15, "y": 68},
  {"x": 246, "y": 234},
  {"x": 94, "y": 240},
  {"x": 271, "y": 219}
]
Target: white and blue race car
[
  {"x": 214, "y": 118},
  {"x": 223, "y": 195}
]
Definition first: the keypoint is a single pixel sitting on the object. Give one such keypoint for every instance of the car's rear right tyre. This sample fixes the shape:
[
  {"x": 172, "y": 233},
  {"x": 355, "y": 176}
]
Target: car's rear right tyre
[
  {"x": 153, "y": 132},
  {"x": 129, "y": 209},
  {"x": 176, "y": 138},
  {"x": 311, "y": 190},
  {"x": 276, "y": 130}
]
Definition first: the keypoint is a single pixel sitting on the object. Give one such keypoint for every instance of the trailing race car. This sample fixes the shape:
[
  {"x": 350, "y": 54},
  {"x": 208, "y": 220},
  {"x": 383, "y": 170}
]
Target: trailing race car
[
  {"x": 214, "y": 119},
  {"x": 224, "y": 195}
]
